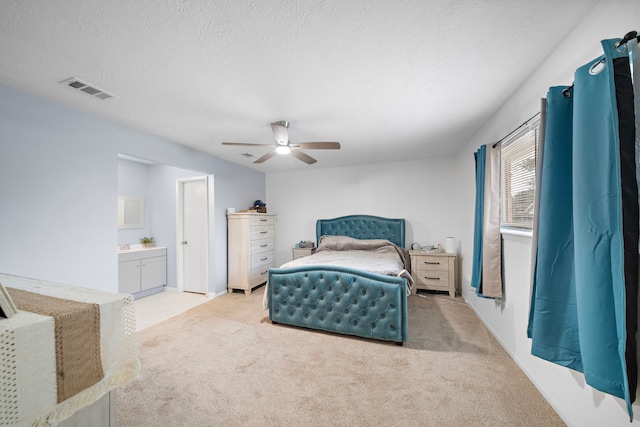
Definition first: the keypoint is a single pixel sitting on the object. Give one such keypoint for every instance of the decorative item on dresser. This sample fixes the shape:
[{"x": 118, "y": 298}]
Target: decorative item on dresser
[
  {"x": 251, "y": 242},
  {"x": 434, "y": 271}
]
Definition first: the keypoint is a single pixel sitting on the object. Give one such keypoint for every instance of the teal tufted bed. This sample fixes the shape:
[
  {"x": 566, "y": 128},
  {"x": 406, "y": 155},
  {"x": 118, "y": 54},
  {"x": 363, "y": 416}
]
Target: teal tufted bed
[{"x": 342, "y": 299}]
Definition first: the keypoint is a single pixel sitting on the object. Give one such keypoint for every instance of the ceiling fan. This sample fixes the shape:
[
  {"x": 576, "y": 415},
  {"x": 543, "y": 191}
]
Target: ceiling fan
[{"x": 284, "y": 146}]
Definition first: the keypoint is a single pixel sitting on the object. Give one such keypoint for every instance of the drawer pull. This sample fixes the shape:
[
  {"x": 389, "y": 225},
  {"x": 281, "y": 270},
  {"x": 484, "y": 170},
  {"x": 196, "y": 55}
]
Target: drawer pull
[
  {"x": 263, "y": 232},
  {"x": 263, "y": 220},
  {"x": 264, "y": 272},
  {"x": 432, "y": 262},
  {"x": 264, "y": 246},
  {"x": 264, "y": 259},
  {"x": 431, "y": 278}
]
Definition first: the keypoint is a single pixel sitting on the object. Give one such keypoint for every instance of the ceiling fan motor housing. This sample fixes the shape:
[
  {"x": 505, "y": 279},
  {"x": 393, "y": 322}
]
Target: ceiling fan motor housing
[{"x": 280, "y": 132}]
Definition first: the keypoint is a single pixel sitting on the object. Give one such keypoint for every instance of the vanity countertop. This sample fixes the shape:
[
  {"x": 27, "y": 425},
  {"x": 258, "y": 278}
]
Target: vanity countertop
[{"x": 140, "y": 248}]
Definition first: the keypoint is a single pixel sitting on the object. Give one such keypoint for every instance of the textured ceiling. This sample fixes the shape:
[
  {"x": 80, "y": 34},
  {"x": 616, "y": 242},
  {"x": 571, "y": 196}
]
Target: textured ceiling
[{"x": 390, "y": 80}]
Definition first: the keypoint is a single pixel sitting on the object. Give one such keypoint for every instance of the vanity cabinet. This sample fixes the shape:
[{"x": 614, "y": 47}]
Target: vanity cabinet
[
  {"x": 141, "y": 270},
  {"x": 251, "y": 249}
]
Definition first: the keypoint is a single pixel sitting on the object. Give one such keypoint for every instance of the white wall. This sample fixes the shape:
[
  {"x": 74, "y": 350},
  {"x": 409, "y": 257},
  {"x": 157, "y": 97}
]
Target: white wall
[
  {"x": 59, "y": 183},
  {"x": 420, "y": 191},
  {"x": 577, "y": 403}
]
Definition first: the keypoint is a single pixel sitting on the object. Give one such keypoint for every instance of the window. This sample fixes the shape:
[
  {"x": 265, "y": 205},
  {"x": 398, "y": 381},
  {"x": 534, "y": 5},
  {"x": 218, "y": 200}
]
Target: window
[{"x": 518, "y": 176}]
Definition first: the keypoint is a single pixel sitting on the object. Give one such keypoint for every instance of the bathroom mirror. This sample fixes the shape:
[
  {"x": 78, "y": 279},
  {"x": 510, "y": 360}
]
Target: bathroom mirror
[{"x": 130, "y": 212}]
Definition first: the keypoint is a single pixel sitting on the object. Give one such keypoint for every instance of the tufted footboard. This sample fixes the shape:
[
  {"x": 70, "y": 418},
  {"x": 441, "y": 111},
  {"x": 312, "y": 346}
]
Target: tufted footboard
[{"x": 339, "y": 299}]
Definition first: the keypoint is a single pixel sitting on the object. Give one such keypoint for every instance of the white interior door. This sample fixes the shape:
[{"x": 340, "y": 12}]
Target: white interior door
[{"x": 194, "y": 243}]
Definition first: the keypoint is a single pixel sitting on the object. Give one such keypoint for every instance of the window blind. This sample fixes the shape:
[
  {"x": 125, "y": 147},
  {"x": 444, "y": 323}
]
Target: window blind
[{"x": 518, "y": 179}]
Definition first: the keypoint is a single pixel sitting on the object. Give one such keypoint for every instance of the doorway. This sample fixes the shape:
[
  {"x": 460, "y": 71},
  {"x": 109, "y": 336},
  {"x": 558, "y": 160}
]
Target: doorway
[{"x": 192, "y": 232}]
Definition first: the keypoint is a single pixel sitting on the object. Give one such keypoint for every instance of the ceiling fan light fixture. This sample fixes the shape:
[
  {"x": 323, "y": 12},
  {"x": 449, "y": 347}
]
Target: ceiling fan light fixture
[{"x": 283, "y": 149}]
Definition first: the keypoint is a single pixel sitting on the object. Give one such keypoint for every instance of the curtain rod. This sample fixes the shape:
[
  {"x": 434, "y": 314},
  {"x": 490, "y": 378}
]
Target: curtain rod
[
  {"x": 626, "y": 39},
  {"x": 517, "y": 129}
]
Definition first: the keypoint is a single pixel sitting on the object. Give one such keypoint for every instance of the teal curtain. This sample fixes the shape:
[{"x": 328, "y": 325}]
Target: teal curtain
[
  {"x": 486, "y": 275},
  {"x": 476, "y": 273},
  {"x": 584, "y": 297}
]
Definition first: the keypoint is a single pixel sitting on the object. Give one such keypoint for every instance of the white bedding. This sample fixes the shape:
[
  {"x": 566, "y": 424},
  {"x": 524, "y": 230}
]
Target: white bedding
[{"x": 377, "y": 256}]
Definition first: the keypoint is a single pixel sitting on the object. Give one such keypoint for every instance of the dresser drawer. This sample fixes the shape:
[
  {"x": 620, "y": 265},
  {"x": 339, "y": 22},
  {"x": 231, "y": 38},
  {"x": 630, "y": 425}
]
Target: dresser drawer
[
  {"x": 261, "y": 274},
  {"x": 261, "y": 259},
  {"x": 262, "y": 245},
  {"x": 263, "y": 220},
  {"x": 432, "y": 263},
  {"x": 262, "y": 232}
]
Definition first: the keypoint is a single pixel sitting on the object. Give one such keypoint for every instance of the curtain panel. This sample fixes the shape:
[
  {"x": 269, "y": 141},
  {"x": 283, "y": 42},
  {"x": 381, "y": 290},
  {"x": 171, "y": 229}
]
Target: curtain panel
[
  {"x": 486, "y": 275},
  {"x": 584, "y": 297}
]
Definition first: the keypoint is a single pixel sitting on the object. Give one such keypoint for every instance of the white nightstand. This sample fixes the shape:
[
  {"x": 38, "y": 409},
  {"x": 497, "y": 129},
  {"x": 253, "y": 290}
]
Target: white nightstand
[
  {"x": 302, "y": 252},
  {"x": 436, "y": 272}
]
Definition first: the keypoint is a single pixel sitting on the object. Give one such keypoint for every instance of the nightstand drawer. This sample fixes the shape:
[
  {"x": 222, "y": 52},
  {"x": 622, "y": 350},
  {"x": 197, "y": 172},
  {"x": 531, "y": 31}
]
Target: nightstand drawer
[
  {"x": 434, "y": 279},
  {"x": 432, "y": 263}
]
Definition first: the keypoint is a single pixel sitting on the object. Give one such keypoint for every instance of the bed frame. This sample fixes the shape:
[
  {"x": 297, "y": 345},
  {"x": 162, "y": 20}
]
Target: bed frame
[{"x": 340, "y": 299}]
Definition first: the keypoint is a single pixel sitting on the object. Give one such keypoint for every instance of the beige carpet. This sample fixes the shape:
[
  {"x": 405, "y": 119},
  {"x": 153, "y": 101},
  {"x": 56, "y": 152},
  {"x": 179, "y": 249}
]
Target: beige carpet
[{"x": 224, "y": 364}]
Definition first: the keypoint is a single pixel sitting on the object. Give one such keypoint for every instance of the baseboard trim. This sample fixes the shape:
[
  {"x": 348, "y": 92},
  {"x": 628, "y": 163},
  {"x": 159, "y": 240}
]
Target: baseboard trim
[
  {"x": 212, "y": 295},
  {"x": 521, "y": 365}
]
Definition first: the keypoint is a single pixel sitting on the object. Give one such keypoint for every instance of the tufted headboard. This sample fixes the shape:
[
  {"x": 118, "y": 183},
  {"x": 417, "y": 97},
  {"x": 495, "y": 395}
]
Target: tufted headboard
[{"x": 362, "y": 227}]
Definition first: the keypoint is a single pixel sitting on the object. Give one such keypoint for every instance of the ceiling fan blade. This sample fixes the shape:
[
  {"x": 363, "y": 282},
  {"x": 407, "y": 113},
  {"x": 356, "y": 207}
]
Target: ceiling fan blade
[
  {"x": 246, "y": 144},
  {"x": 280, "y": 132},
  {"x": 317, "y": 145},
  {"x": 266, "y": 157},
  {"x": 304, "y": 157}
]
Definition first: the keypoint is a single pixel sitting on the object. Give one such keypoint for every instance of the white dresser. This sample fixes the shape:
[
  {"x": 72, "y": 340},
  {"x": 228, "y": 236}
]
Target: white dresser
[{"x": 251, "y": 243}]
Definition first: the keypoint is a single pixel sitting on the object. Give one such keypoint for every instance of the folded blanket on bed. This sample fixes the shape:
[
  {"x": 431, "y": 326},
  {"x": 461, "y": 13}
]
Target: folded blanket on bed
[
  {"x": 344, "y": 243},
  {"x": 377, "y": 256}
]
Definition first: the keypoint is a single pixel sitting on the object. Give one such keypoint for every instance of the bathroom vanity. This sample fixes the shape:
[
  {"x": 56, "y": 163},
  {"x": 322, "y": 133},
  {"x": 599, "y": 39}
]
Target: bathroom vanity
[{"x": 142, "y": 271}]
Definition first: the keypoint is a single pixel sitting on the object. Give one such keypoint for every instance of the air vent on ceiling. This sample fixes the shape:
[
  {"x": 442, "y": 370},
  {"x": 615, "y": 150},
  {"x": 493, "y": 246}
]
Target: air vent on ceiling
[
  {"x": 247, "y": 154},
  {"x": 87, "y": 88}
]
